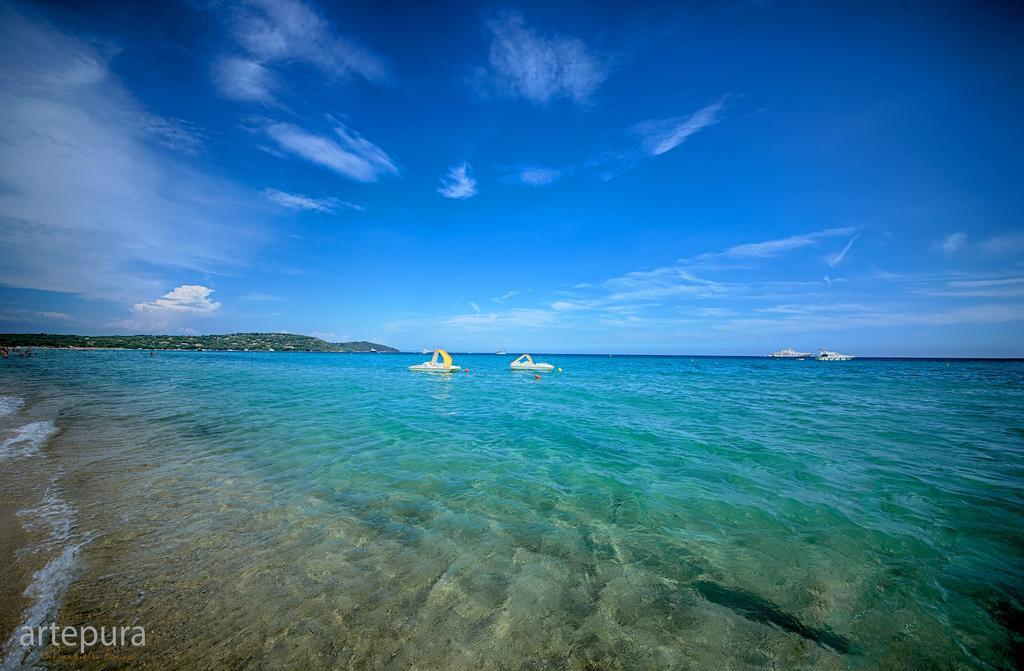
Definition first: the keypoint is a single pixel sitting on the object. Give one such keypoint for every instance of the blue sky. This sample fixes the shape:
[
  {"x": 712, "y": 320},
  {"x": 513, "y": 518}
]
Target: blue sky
[{"x": 678, "y": 178}]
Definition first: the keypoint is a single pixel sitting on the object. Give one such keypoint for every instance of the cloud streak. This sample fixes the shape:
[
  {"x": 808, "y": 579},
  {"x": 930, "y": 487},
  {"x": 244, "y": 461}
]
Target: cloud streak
[
  {"x": 298, "y": 202},
  {"x": 658, "y": 136},
  {"x": 837, "y": 258},
  {"x": 655, "y": 137},
  {"x": 347, "y": 154}
]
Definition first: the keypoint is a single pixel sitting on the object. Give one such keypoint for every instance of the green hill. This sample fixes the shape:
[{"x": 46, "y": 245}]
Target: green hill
[{"x": 254, "y": 342}]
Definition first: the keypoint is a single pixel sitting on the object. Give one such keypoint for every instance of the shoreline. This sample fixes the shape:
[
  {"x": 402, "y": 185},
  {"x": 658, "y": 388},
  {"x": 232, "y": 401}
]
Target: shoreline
[{"x": 537, "y": 353}]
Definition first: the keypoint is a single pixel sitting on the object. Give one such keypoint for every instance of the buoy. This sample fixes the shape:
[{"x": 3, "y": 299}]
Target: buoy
[
  {"x": 559, "y": 370},
  {"x": 536, "y": 377}
]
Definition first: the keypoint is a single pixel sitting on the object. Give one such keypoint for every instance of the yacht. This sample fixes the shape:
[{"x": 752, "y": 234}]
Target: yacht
[
  {"x": 501, "y": 350},
  {"x": 826, "y": 355},
  {"x": 425, "y": 351},
  {"x": 789, "y": 353}
]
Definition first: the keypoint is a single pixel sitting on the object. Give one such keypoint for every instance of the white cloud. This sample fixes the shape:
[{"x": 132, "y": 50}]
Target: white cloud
[
  {"x": 837, "y": 258},
  {"x": 535, "y": 176},
  {"x": 539, "y": 68},
  {"x": 658, "y": 136},
  {"x": 294, "y": 201},
  {"x": 243, "y": 79},
  {"x": 458, "y": 183},
  {"x": 350, "y": 155},
  {"x": 94, "y": 205},
  {"x": 188, "y": 298},
  {"x": 281, "y": 32},
  {"x": 476, "y": 308},
  {"x": 953, "y": 242}
]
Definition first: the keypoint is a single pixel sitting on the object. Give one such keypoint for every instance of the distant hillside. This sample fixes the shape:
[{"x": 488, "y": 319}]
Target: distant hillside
[{"x": 253, "y": 342}]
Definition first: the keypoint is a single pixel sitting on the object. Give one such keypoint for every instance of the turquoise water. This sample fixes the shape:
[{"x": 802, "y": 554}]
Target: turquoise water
[{"x": 339, "y": 511}]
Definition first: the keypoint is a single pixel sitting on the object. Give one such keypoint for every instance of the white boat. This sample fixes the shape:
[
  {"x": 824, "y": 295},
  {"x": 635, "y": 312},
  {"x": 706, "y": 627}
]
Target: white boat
[
  {"x": 441, "y": 362},
  {"x": 826, "y": 355},
  {"x": 789, "y": 353},
  {"x": 501, "y": 350},
  {"x": 525, "y": 362},
  {"x": 424, "y": 351}
]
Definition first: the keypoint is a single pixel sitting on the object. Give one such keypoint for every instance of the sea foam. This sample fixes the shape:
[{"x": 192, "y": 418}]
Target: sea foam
[
  {"x": 9, "y": 405},
  {"x": 49, "y": 584},
  {"x": 27, "y": 440}
]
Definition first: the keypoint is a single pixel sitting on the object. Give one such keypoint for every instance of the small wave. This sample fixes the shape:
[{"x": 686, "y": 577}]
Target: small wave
[
  {"x": 9, "y": 405},
  {"x": 54, "y": 514},
  {"x": 49, "y": 584},
  {"x": 46, "y": 592},
  {"x": 27, "y": 440}
]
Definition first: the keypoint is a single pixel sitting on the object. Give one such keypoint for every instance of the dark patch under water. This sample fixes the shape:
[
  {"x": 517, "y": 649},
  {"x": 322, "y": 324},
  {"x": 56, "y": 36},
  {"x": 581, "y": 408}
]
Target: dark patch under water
[{"x": 759, "y": 609}]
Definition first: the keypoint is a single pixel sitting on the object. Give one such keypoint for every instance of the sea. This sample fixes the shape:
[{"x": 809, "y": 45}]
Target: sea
[{"x": 338, "y": 511}]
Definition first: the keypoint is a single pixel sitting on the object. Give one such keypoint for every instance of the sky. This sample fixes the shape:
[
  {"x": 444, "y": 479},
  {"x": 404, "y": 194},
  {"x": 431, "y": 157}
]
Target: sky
[{"x": 676, "y": 178}]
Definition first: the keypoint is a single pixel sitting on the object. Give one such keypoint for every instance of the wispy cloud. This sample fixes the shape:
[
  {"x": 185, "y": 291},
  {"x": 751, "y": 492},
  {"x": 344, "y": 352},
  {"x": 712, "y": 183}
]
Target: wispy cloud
[
  {"x": 348, "y": 153},
  {"x": 260, "y": 297},
  {"x": 94, "y": 203},
  {"x": 837, "y": 258},
  {"x": 686, "y": 280},
  {"x": 535, "y": 176},
  {"x": 505, "y": 296},
  {"x": 658, "y": 136},
  {"x": 527, "y": 64},
  {"x": 1011, "y": 242},
  {"x": 654, "y": 137},
  {"x": 514, "y": 318},
  {"x": 458, "y": 183},
  {"x": 188, "y": 298},
  {"x": 839, "y": 320},
  {"x": 243, "y": 79},
  {"x": 295, "y": 201},
  {"x": 275, "y": 33},
  {"x": 34, "y": 316},
  {"x": 771, "y": 248},
  {"x": 1003, "y": 287},
  {"x": 953, "y": 242}
]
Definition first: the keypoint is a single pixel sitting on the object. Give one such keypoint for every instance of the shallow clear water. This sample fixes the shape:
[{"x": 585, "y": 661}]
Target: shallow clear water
[{"x": 339, "y": 511}]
